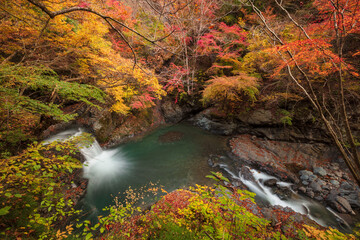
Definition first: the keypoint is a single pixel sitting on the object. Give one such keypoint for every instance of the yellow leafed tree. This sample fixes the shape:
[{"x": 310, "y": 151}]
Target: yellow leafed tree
[{"x": 228, "y": 92}]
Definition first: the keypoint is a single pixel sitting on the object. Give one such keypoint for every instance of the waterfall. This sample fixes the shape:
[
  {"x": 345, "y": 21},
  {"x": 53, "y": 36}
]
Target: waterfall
[
  {"x": 314, "y": 210},
  {"x": 100, "y": 165},
  {"x": 63, "y": 136},
  {"x": 90, "y": 152}
]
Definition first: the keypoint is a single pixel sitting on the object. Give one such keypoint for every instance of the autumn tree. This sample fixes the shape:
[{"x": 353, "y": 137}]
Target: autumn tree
[
  {"x": 312, "y": 56},
  {"x": 56, "y": 53}
]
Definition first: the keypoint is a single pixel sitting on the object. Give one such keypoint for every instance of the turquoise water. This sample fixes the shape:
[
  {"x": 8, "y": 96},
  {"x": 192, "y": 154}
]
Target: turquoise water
[{"x": 177, "y": 164}]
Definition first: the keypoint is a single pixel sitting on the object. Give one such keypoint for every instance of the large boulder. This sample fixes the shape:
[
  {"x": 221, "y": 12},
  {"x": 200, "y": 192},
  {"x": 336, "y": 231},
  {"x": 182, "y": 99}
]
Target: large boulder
[
  {"x": 320, "y": 171},
  {"x": 172, "y": 112},
  {"x": 209, "y": 120},
  {"x": 111, "y": 128},
  {"x": 260, "y": 117}
]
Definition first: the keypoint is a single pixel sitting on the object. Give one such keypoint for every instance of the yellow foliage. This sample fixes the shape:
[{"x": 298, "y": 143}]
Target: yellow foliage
[
  {"x": 130, "y": 88},
  {"x": 78, "y": 42},
  {"x": 257, "y": 56},
  {"x": 328, "y": 234},
  {"x": 229, "y": 91}
]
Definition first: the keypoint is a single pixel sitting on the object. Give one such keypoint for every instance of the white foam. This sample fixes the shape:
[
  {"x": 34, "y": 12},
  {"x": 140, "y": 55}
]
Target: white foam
[
  {"x": 100, "y": 165},
  {"x": 312, "y": 209}
]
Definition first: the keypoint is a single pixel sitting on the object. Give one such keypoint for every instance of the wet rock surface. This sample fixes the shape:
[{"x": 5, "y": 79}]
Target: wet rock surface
[
  {"x": 174, "y": 112},
  {"x": 314, "y": 169},
  {"x": 344, "y": 197},
  {"x": 266, "y": 123},
  {"x": 286, "y": 218},
  {"x": 276, "y": 157},
  {"x": 212, "y": 122}
]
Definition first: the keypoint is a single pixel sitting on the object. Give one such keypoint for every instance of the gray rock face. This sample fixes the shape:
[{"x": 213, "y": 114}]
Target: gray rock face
[
  {"x": 172, "y": 112},
  {"x": 216, "y": 127},
  {"x": 206, "y": 122},
  {"x": 320, "y": 171},
  {"x": 260, "y": 117},
  {"x": 314, "y": 165},
  {"x": 341, "y": 204}
]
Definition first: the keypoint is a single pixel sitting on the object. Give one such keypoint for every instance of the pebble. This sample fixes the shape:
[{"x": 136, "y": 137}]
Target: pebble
[
  {"x": 338, "y": 174},
  {"x": 319, "y": 198},
  {"x": 321, "y": 182},
  {"x": 335, "y": 183},
  {"x": 311, "y": 194},
  {"x": 320, "y": 171},
  {"x": 304, "y": 177},
  {"x": 305, "y": 172},
  {"x": 312, "y": 177},
  {"x": 346, "y": 186},
  {"x": 315, "y": 186},
  {"x": 334, "y": 166}
]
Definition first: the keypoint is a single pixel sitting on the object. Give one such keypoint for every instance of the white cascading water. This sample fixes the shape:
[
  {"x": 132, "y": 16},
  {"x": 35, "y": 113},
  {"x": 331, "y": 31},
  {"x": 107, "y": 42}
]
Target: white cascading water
[
  {"x": 312, "y": 209},
  {"x": 63, "y": 136},
  {"x": 100, "y": 165}
]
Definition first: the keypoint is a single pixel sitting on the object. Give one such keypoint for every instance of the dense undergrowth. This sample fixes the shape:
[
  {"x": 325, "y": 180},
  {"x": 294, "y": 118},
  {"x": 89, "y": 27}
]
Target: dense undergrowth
[{"x": 36, "y": 190}]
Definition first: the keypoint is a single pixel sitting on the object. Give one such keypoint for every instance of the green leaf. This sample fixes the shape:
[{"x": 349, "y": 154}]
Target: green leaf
[
  {"x": 4, "y": 210},
  {"x": 37, "y": 167},
  {"x": 212, "y": 177},
  {"x": 88, "y": 236}
]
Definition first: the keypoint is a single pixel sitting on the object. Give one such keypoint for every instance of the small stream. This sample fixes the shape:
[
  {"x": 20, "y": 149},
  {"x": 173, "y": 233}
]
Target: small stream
[
  {"x": 175, "y": 157},
  {"x": 264, "y": 197}
]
